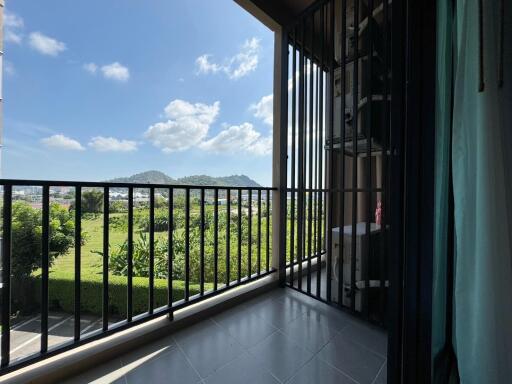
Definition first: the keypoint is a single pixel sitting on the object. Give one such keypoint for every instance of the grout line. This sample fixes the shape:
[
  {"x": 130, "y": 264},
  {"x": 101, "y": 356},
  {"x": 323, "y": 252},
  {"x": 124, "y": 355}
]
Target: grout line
[
  {"x": 187, "y": 359},
  {"x": 362, "y": 345},
  {"x": 336, "y": 368},
  {"x": 380, "y": 370}
]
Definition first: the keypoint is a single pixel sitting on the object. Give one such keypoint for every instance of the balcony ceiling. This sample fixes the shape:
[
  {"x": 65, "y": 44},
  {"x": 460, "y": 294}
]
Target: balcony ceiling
[{"x": 275, "y": 12}]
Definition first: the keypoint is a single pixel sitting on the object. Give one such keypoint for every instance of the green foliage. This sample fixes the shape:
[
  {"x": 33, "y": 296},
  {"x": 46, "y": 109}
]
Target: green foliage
[
  {"x": 118, "y": 206},
  {"x": 27, "y": 232},
  {"x": 118, "y": 264},
  {"x": 92, "y": 201},
  {"x": 62, "y": 285},
  {"x": 161, "y": 222}
]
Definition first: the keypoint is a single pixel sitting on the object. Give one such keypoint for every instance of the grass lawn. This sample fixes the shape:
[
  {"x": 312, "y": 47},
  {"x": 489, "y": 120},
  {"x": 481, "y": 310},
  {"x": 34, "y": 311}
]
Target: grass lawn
[{"x": 91, "y": 261}]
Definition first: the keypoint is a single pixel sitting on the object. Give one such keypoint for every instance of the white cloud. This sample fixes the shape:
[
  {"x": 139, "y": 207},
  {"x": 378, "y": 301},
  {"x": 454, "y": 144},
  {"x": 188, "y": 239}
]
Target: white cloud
[
  {"x": 11, "y": 36},
  {"x": 111, "y": 144},
  {"x": 46, "y": 45},
  {"x": 90, "y": 67},
  {"x": 246, "y": 60},
  {"x": 264, "y": 109},
  {"x": 62, "y": 142},
  {"x": 187, "y": 125},
  {"x": 9, "y": 68},
  {"x": 12, "y": 20},
  {"x": 205, "y": 67},
  {"x": 12, "y": 25},
  {"x": 239, "y": 138},
  {"x": 236, "y": 66},
  {"x": 115, "y": 71}
]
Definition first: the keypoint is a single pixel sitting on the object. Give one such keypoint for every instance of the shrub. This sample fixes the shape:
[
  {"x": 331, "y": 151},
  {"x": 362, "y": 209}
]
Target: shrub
[
  {"x": 118, "y": 258},
  {"x": 62, "y": 285}
]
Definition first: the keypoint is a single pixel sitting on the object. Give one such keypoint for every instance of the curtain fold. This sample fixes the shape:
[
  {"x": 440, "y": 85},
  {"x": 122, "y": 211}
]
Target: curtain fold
[
  {"x": 442, "y": 181},
  {"x": 481, "y": 167}
]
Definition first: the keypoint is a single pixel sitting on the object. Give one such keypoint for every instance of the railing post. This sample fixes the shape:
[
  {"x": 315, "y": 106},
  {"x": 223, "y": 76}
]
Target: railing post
[{"x": 279, "y": 154}]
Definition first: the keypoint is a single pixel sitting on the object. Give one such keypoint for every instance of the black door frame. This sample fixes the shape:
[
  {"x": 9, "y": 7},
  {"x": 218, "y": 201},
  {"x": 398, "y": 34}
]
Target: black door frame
[{"x": 413, "y": 118}]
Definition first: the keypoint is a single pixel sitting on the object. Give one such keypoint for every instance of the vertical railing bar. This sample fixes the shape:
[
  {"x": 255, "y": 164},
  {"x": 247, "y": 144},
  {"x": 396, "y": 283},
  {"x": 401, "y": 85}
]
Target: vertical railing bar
[
  {"x": 305, "y": 153},
  {"x": 129, "y": 288},
  {"x": 331, "y": 154},
  {"x": 228, "y": 237},
  {"x": 215, "y": 238},
  {"x": 293, "y": 149},
  {"x": 310, "y": 151},
  {"x": 187, "y": 243},
  {"x": 259, "y": 233},
  {"x": 384, "y": 161},
  {"x": 355, "y": 112},
  {"x": 369, "y": 98},
  {"x": 268, "y": 232},
  {"x": 45, "y": 264},
  {"x": 249, "y": 236},
  {"x": 201, "y": 242},
  {"x": 6, "y": 276},
  {"x": 78, "y": 262},
  {"x": 343, "y": 130},
  {"x": 239, "y": 237},
  {"x": 151, "y": 249},
  {"x": 106, "y": 215},
  {"x": 170, "y": 250},
  {"x": 300, "y": 189},
  {"x": 315, "y": 252},
  {"x": 320, "y": 154}
]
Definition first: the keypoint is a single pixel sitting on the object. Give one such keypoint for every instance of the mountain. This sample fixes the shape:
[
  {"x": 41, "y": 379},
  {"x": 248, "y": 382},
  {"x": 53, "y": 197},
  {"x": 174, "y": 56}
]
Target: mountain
[
  {"x": 231, "y": 181},
  {"x": 157, "y": 177},
  {"x": 148, "y": 177}
]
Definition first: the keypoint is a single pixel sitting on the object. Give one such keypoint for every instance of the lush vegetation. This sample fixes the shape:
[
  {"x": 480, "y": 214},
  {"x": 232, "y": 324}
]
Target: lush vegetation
[
  {"x": 26, "y": 260},
  {"x": 26, "y": 237},
  {"x": 27, "y": 233}
]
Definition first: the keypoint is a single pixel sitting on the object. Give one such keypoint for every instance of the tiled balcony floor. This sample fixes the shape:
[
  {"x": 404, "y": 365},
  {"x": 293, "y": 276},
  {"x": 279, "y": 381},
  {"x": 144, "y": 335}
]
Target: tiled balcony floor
[{"x": 279, "y": 337}]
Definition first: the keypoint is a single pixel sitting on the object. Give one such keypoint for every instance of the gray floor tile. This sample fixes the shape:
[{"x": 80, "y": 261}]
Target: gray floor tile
[
  {"x": 208, "y": 346},
  {"x": 268, "y": 339},
  {"x": 309, "y": 333},
  {"x": 154, "y": 349},
  {"x": 330, "y": 317},
  {"x": 247, "y": 328},
  {"x": 280, "y": 355},
  {"x": 317, "y": 371},
  {"x": 110, "y": 372},
  {"x": 171, "y": 367},
  {"x": 369, "y": 336},
  {"x": 382, "y": 377},
  {"x": 355, "y": 360},
  {"x": 279, "y": 312},
  {"x": 244, "y": 369}
]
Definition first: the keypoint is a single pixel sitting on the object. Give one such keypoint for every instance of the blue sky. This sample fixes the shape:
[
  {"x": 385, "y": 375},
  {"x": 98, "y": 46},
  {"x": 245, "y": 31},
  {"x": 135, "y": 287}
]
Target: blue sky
[{"x": 99, "y": 89}]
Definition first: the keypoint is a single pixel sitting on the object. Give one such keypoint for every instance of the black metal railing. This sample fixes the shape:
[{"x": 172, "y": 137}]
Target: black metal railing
[
  {"x": 338, "y": 134},
  {"x": 213, "y": 242}
]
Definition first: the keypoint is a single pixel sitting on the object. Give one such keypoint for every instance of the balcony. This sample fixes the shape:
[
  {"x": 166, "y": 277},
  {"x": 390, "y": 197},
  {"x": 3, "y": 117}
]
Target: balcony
[
  {"x": 282, "y": 335},
  {"x": 278, "y": 337},
  {"x": 207, "y": 284}
]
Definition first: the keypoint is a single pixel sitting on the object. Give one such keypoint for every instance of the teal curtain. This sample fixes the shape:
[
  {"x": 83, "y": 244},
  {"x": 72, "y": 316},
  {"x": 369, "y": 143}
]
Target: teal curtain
[
  {"x": 442, "y": 171},
  {"x": 482, "y": 191}
]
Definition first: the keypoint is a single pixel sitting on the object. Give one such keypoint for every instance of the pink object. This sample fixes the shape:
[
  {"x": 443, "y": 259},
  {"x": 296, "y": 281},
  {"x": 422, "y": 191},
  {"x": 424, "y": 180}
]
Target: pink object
[{"x": 378, "y": 213}]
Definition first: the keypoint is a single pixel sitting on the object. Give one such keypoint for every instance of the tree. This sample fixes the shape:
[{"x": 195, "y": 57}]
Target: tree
[
  {"x": 92, "y": 201},
  {"x": 27, "y": 233}
]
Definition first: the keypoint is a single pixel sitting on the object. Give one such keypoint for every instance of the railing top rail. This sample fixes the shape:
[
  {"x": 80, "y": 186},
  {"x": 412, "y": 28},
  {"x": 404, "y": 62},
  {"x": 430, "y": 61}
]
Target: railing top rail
[{"x": 103, "y": 184}]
